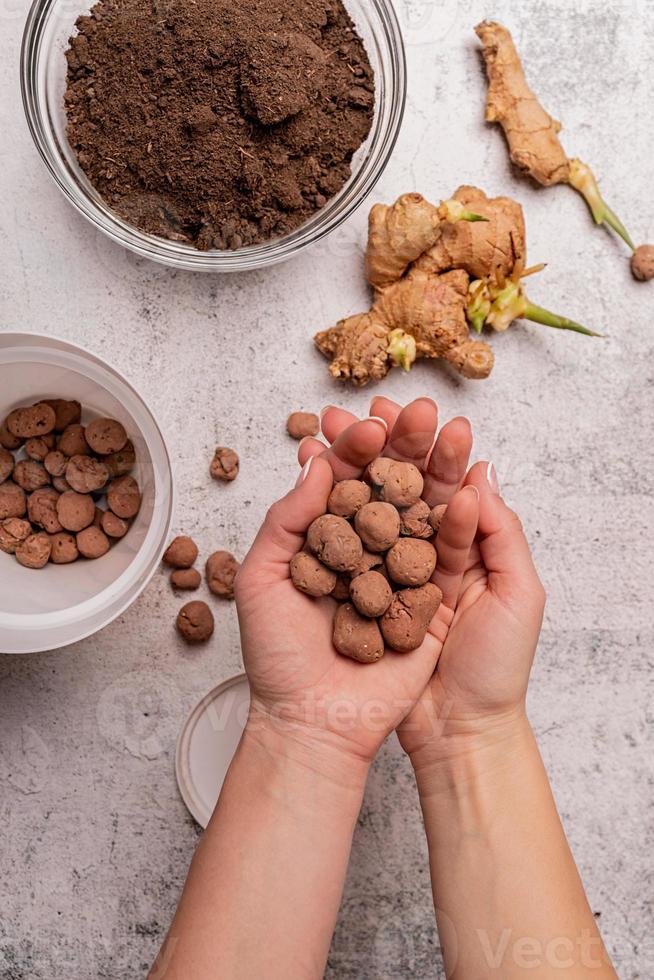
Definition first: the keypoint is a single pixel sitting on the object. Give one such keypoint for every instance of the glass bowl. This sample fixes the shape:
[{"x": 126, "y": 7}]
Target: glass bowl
[
  {"x": 50, "y": 607},
  {"x": 49, "y": 25}
]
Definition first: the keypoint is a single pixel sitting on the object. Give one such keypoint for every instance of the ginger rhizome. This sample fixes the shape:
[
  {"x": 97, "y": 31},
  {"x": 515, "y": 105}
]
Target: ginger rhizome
[
  {"x": 435, "y": 270},
  {"x": 531, "y": 133}
]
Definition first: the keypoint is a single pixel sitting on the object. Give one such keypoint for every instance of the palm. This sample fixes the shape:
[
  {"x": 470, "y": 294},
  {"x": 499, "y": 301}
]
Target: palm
[
  {"x": 480, "y": 673},
  {"x": 303, "y": 679}
]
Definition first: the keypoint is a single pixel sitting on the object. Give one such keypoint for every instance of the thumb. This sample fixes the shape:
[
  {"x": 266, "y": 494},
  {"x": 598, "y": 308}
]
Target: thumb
[
  {"x": 283, "y": 531},
  {"x": 502, "y": 542}
]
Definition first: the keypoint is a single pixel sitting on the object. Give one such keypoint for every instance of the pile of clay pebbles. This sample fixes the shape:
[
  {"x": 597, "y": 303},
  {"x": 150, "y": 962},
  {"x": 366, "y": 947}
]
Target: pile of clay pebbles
[
  {"x": 54, "y": 475},
  {"x": 372, "y": 552}
]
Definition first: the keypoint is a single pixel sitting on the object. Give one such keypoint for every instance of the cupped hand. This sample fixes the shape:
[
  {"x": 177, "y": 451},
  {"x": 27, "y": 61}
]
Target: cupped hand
[
  {"x": 493, "y": 612},
  {"x": 300, "y": 685}
]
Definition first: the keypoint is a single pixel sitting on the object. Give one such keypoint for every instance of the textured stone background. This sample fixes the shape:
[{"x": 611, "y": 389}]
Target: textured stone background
[{"x": 95, "y": 840}]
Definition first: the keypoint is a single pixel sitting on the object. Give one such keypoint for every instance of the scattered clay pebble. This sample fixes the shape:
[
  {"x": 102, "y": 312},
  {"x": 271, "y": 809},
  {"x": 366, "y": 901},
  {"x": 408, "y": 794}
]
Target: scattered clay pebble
[
  {"x": 414, "y": 521},
  {"x": 371, "y": 594},
  {"x": 7, "y": 440},
  {"x": 642, "y": 263},
  {"x": 114, "y": 527},
  {"x": 85, "y": 474},
  {"x": 39, "y": 446},
  {"x": 405, "y": 623},
  {"x": 301, "y": 424},
  {"x": 356, "y": 636},
  {"x": 378, "y": 525},
  {"x": 75, "y": 510},
  {"x": 13, "y": 530},
  {"x": 6, "y": 464},
  {"x": 92, "y": 542},
  {"x": 195, "y": 622},
  {"x": 55, "y": 463},
  {"x": 348, "y": 497},
  {"x": 63, "y": 548},
  {"x": 411, "y": 561},
  {"x": 225, "y": 464},
  {"x": 185, "y": 578},
  {"x": 31, "y": 475},
  {"x": 436, "y": 515},
  {"x": 121, "y": 463},
  {"x": 13, "y": 502},
  {"x": 66, "y": 412},
  {"x": 333, "y": 541},
  {"x": 34, "y": 551},
  {"x": 37, "y": 420},
  {"x": 124, "y": 497},
  {"x": 105, "y": 436},
  {"x": 181, "y": 552},
  {"x": 220, "y": 570},
  {"x": 72, "y": 441},
  {"x": 42, "y": 510},
  {"x": 311, "y": 576},
  {"x": 55, "y": 485}
]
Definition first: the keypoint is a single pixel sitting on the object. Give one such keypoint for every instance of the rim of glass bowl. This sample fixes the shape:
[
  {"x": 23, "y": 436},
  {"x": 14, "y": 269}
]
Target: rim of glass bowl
[{"x": 389, "y": 111}]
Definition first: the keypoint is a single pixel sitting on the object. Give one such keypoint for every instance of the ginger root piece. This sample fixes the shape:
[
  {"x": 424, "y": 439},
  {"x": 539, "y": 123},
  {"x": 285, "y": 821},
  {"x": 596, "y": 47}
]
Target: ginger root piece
[
  {"x": 397, "y": 236},
  {"x": 480, "y": 248},
  {"x": 419, "y": 316},
  {"x": 531, "y": 133}
]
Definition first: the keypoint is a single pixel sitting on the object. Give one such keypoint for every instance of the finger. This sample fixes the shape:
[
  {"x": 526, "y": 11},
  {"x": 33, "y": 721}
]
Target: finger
[
  {"x": 455, "y": 538},
  {"x": 413, "y": 434},
  {"x": 448, "y": 463},
  {"x": 384, "y": 408},
  {"x": 283, "y": 532},
  {"x": 309, "y": 447},
  {"x": 335, "y": 420},
  {"x": 503, "y": 545},
  {"x": 353, "y": 449}
]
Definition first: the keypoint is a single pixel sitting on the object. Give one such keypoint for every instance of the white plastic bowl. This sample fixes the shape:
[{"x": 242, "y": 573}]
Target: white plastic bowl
[{"x": 44, "y": 609}]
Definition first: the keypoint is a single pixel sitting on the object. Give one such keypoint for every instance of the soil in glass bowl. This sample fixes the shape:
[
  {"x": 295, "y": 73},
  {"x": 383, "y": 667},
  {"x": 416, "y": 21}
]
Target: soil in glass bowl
[{"x": 216, "y": 124}]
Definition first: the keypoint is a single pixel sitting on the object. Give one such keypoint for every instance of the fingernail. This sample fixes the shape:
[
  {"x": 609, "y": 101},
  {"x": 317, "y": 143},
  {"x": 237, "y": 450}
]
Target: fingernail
[
  {"x": 304, "y": 472},
  {"x": 303, "y": 440},
  {"x": 376, "y": 418},
  {"x": 472, "y": 487},
  {"x": 491, "y": 476},
  {"x": 323, "y": 411}
]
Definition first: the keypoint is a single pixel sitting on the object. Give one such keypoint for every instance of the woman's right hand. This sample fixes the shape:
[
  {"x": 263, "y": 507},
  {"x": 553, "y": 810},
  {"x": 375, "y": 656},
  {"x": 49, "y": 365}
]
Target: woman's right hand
[{"x": 477, "y": 694}]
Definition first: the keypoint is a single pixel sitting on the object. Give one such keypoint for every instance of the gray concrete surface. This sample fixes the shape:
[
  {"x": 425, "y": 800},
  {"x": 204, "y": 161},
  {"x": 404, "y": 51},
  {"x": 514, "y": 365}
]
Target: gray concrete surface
[{"x": 95, "y": 841}]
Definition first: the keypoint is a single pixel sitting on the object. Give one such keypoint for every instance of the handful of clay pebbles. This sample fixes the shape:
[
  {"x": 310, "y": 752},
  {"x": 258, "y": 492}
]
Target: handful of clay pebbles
[
  {"x": 54, "y": 475},
  {"x": 371, "y": 552}
]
